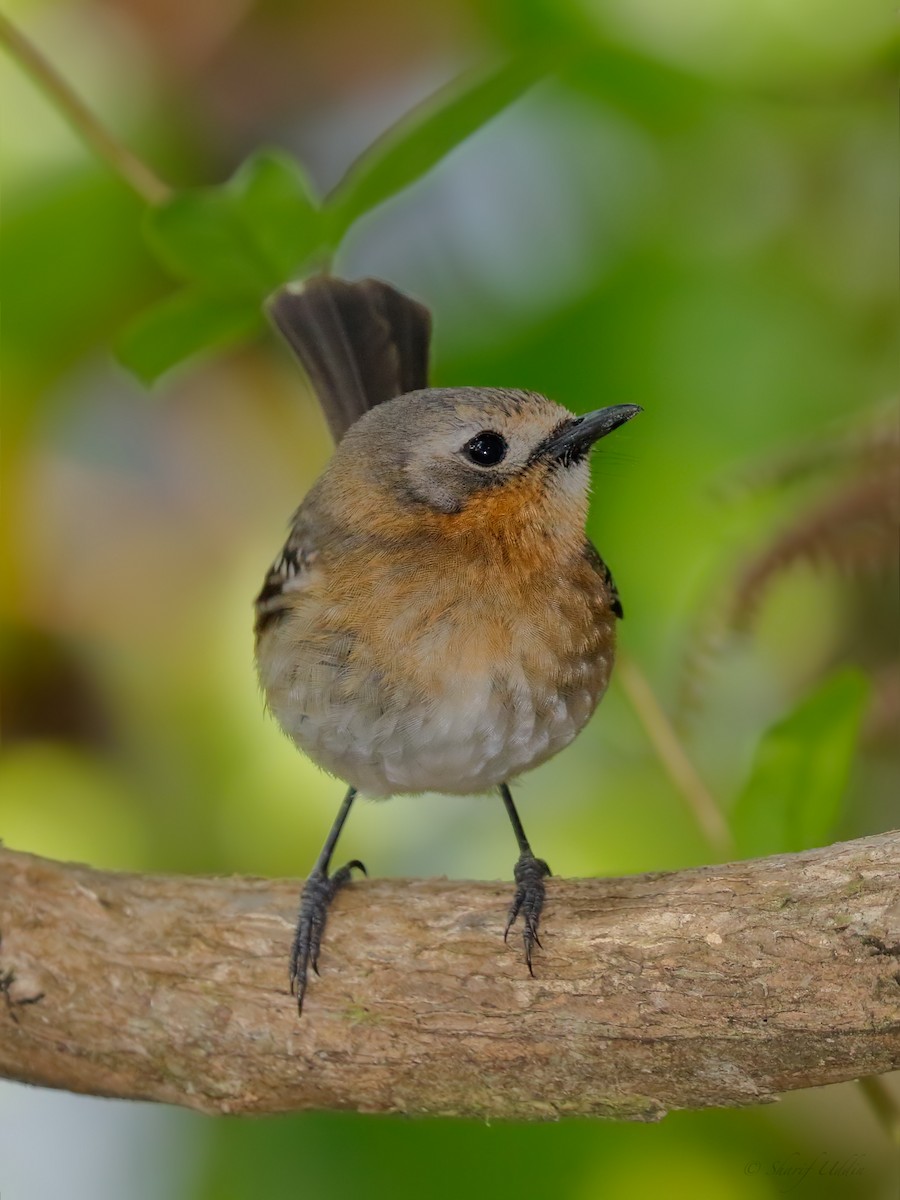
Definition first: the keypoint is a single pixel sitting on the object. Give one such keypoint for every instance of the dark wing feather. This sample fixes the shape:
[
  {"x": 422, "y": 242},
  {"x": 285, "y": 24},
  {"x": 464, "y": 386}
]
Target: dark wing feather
[
  {"x": 360, "y": 343},
  {"x": 290, "y": 571},
  {"x": 593, "y": 557}
]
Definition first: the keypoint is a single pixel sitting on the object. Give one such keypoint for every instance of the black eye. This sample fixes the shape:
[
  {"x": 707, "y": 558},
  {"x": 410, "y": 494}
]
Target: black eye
[{"x": 486, "y": 449}]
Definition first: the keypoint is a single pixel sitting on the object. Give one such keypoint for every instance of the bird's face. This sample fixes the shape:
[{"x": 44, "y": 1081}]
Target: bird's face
[{"x": 463, "y": 459}]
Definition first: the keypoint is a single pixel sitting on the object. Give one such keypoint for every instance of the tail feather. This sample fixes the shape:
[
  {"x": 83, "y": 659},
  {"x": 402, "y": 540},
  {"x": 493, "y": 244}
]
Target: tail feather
[{"x": 360, "y": 343}]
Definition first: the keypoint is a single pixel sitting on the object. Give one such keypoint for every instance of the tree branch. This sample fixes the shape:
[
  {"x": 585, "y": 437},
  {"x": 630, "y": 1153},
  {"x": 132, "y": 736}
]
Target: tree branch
[{"x": 717, "y": 986}]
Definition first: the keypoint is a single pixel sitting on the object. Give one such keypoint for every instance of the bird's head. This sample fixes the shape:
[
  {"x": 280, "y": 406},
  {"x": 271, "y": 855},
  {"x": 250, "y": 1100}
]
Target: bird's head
[{"x": 468, "y": 461}]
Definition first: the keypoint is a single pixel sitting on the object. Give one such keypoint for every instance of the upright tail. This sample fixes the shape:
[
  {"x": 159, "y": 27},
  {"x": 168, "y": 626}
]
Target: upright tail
[{"x": 360, "y": 343}]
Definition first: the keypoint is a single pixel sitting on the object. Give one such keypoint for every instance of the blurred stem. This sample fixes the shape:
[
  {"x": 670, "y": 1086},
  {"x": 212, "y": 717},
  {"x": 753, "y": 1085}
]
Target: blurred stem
[
  {"x": 139, "y": 177},
  {"x": 673, "y": 756},
  {"x": 883, "y": 1103}
]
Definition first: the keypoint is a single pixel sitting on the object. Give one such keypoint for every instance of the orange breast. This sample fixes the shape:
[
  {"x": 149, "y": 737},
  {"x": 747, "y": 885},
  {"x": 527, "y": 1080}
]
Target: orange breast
[{"x": 484, "y": 590}]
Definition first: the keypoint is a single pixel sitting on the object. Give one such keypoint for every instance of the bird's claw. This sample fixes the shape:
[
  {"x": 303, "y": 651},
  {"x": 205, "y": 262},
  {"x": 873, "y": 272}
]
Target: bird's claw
[
  {"x": 529, "y": 875},
  {"x": 318, "y": 893}
]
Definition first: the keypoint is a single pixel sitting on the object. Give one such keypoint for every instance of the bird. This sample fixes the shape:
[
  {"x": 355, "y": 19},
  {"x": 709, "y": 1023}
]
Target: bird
[{"x": 437, "y": 619}]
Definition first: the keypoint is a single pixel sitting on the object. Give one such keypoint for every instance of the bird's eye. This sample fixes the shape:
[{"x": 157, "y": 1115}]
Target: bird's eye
[{"x": 485, "y": 449}]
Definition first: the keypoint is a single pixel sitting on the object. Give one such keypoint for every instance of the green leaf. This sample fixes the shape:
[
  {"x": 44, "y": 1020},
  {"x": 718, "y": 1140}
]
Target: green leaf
[
  {"x": 236, "y": 243},
  {"x": 657, "y": 94},
  {"x": 793, "y": 796},
  {"x": 277, "y": 204},
  {"x": 245, "y": 237},
  {"x": 184, "y": 325},
  {"x": 59, "y": 293},
  {"x": 233, "y": 245},
  {"x": 419, "y": 141}
]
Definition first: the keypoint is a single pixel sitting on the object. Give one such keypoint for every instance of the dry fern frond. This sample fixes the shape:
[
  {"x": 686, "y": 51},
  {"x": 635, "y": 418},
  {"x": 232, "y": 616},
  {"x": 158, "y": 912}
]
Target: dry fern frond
[
  {"x": 872, "y": 444},
  {"x": 854, "y": 532}
]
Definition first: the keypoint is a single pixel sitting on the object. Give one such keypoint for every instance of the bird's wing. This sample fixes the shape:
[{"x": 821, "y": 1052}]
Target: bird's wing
[
  {"x": 606, "y": 575},
  {"x": 292, "y": 572},
  {"x": 360, "y": 343}
]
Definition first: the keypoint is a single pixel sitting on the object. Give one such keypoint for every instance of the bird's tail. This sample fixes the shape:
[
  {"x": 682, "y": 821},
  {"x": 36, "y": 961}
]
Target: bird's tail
[{"x": 360, "y": 343}]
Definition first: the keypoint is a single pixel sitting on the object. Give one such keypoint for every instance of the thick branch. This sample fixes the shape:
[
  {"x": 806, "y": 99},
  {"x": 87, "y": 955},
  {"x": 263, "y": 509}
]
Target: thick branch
[{"x": 717, "y": 986}]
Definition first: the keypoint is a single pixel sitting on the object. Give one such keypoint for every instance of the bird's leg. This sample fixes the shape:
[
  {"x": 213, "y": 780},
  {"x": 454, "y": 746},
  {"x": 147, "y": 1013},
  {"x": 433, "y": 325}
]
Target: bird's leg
[
  {"x": 530, "y": 873},
  {"x": 318, "y": 892}
]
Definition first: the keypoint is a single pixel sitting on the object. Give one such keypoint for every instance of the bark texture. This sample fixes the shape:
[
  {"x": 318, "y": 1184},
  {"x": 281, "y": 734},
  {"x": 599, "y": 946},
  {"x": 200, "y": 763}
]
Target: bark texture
[{"x": 718, "y": 986}]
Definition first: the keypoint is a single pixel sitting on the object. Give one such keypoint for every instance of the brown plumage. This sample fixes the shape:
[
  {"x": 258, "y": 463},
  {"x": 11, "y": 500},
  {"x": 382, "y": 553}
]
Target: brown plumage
[{"x": 437, "y": 620}]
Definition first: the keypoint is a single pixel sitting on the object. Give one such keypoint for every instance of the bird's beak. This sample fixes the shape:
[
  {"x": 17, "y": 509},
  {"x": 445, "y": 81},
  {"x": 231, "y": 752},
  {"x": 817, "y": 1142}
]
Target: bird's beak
[{"x": 573, "y": 440}]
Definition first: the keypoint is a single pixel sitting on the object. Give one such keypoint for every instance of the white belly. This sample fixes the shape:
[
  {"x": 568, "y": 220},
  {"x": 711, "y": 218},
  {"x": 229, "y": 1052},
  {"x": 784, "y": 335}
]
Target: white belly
[{"x": 475, "y": 731}]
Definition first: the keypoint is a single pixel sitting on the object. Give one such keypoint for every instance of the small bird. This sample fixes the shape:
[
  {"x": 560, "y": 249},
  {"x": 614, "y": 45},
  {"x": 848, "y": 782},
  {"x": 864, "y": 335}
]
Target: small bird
[{"x": 437, "y": 620}]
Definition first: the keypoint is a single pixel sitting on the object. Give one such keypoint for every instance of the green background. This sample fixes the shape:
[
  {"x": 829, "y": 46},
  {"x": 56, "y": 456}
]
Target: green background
[{"x": 690, "y": 207}]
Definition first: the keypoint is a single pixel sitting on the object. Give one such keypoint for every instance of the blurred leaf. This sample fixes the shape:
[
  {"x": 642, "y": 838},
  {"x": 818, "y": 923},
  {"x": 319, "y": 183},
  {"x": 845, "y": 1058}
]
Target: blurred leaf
[
  {"x": 419, "y": 141},
  {"x": 181, "y": 326},
  {"x": 793, "y": 796},
  {"x": 238, "y": 242},
  {"x": 279, "y": 207},
  {"x": 245, "y": 237},
  {"x": 658, "y": 95},
  {"x": 539, "y": 24},
  {"x": 233, "y": 244},
  {"x": 72, "y": 262}
]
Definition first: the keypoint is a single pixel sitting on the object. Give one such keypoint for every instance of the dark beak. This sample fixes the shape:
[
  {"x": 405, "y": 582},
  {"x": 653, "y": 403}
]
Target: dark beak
[{"x": 573, "y": 440}]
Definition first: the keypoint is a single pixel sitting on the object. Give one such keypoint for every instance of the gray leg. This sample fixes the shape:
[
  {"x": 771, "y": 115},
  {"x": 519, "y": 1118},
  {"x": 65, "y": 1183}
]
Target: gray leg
[
  {"x": 530, "y": 873},
  {"x": 318, "y": 892}
]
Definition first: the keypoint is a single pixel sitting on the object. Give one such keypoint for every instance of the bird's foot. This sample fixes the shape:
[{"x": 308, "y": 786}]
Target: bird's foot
[
  {"x": 530, "y": 874},
  {"x": 318, "y": 892}
]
